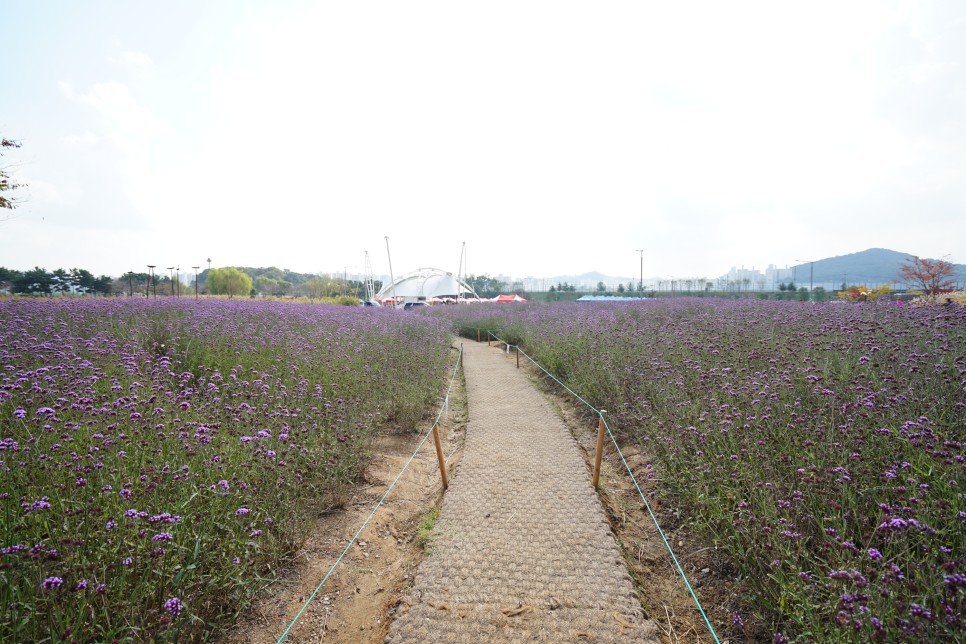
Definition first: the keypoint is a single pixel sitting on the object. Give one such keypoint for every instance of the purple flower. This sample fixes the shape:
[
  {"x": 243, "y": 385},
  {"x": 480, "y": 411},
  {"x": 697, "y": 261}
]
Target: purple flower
[
  {"x": 51, "y": 582},
  {"x": 162, "y": 536},
  {"x": 240, "y": 512},
  {"x": 174, "y": 606},
  {"x": 81, "y": 585},
  {"x": 19, "y": 413},
  {"x": 42, "y": 504},
  {"x": 874, "y": 554},
  {"x": 956, "y": 580}
]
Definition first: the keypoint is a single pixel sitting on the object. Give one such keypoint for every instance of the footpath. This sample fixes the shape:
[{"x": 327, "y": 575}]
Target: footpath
[{"x": 522, "y": 550}]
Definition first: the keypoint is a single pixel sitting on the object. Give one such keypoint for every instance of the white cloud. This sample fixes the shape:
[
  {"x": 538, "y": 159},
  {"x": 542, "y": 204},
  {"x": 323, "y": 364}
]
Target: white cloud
[
  {"x": 130, "y": 60},
  {"x": 85, "y": 138},
  {"x": 123, "y": 116}
]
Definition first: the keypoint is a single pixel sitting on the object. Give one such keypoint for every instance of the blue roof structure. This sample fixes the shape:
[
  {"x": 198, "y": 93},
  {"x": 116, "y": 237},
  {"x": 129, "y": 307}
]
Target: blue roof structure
[{"x": 607, "y": 298}]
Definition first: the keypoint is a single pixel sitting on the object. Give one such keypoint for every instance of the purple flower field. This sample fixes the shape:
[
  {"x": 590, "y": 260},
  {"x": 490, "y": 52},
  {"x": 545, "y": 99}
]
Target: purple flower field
[
  {"x": 821, "y": 448},
  {"x": 161, "y": 460}
]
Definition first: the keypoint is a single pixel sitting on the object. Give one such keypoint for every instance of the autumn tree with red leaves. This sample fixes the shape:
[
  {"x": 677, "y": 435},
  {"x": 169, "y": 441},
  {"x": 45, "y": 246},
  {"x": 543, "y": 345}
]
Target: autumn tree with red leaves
[{"x": 932, "y": 276}]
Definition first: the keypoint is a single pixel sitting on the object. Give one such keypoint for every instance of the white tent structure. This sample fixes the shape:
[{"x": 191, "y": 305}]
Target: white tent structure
[{"x": 425, "y": 284}]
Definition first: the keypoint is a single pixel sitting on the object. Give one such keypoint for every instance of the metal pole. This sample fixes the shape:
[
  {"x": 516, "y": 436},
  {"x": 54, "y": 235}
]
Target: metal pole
[
  {"x": 196, "y": 280},
  {"x": 151, "y": 279},
  {"x": 392, "y": 280},
  {"x": 640, "y": 285}
]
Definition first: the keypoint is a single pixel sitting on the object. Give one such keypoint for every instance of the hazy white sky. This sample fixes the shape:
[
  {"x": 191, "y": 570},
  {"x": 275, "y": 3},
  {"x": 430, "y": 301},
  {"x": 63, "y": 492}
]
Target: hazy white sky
[{"x": 552, "y": 137}]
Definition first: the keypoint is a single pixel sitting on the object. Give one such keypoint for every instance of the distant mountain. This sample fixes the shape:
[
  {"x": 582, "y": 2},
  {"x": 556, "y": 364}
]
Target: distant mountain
[{"x": 872, "y": 266}]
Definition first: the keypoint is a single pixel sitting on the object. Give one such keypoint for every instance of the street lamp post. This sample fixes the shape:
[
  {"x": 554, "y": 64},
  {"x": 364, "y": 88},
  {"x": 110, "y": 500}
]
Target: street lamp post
[
  {"x": 130, "y": 283},
  {"x": 171, "y": 277},
  {"x": 640, "y": 285},
  {"x": 151, "y": 268},
  {"x": 177, "y": 276},
  {"x": 196, "y": 280}
]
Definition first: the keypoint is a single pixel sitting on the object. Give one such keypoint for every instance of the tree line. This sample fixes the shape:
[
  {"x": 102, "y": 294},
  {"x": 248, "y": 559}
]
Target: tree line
[{"x": 39, "y": 281}]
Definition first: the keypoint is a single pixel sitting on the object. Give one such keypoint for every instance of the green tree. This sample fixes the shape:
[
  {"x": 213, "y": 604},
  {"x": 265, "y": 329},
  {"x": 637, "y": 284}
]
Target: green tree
[
  {"x": 601, "y": 287},
  {"x": 266, "y": 285},
  {"x": 34, "y": 281},
  {"x": 620, "y": 288},
  {"x": 62, "y": 281},
  {"x": 82, "y": 280},
  {"x": 7, "y": 278},
  {"x": 318, "y": 287},
  {"x": 229, "y": 281},
  {"x": 486, "y": 286}
]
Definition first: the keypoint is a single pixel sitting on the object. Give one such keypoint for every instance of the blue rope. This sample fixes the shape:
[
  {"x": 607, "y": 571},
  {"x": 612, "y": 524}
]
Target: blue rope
[
  {"x": 445, "y": 406},
  {"x": 633, "y": 478},
  {"x": 660, "y": 531}
]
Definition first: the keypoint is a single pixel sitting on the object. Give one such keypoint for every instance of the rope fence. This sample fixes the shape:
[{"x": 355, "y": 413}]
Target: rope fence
[
  {"x": 603, "y": 425},
  {"x": 434, "y": 431}
]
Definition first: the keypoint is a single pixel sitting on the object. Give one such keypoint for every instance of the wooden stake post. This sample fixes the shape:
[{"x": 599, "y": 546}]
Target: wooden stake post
[
  {"x": 439, "y": 455},
  {"x": 600, "y": 448}
]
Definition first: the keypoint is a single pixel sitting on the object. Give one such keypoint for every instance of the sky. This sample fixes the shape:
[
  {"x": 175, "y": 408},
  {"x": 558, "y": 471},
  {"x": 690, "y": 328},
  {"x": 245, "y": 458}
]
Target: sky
[{"x": 677, "y": 139}]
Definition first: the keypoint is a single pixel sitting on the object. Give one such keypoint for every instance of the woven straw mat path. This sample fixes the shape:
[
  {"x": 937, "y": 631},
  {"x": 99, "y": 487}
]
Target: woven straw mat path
[{"x": 522, "y": 550}]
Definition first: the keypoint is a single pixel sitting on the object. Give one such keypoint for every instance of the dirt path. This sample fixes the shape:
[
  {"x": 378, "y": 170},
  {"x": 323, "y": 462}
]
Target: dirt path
[
  {"x": 375, "y": 581},
  {"x": 522, "y": 550}
]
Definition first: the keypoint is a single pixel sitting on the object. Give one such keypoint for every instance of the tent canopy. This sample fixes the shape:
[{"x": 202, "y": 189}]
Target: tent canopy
[
  {"x": 506, "y": 299},
  {"x": 426, "y": 283}
]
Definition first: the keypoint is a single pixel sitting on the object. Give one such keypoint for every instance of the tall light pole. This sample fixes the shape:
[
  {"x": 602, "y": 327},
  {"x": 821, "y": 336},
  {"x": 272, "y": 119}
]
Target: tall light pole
[
  {"x": 130, "y": 283},
  {"x": 151, "y": 278},
  {"x": 392, "y": 280},
  {"x": 811, "y": 275},
  {"x": 640, "y": 285},
  {"x": 171, "y": 277},
  {"x": 208, "y": 276},
  {"x": 177, "y": 275},
  {"x": 196, "y": 280}
]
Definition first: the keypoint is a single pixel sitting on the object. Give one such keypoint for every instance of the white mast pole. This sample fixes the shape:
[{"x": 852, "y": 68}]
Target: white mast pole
[{"x": 392, "y": 280}]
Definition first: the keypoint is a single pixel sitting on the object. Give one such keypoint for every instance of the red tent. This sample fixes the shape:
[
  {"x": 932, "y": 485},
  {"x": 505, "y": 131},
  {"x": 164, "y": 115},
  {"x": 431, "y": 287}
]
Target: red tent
[{"x": 506, "y": 299}]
